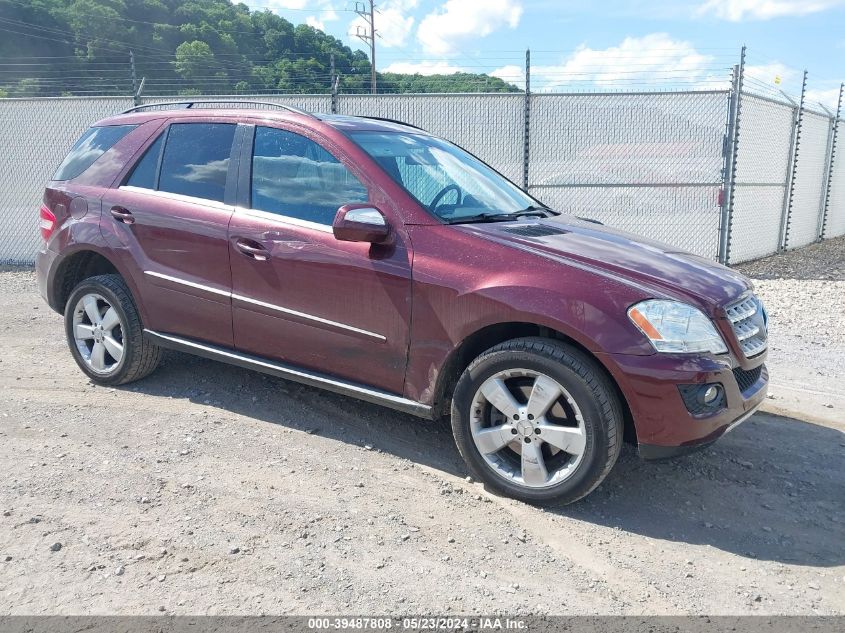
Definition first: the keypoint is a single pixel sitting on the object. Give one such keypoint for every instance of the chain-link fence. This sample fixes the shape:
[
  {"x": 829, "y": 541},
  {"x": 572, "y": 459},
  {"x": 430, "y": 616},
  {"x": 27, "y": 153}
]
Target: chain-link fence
[
  {"x": 802, "y": 226},
  {"x": 788, "y": 181},
  {"x": 657, "y": 164},
  {"x": 648, "y": 163},
  {"x": 35, "y": 135},
  {"x": 762, "y": 172},
  {"x": 834, "y": 217},
  {"x": 488, "y": 125}
]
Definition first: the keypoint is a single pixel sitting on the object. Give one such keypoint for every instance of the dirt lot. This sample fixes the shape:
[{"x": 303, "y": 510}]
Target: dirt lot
[{"x": 207, "y": 489}]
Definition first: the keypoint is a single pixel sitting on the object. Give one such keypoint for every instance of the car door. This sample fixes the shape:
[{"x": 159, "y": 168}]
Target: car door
[
  {"x": 299, "y": 295},
  {"x": 170, "y": 219}
]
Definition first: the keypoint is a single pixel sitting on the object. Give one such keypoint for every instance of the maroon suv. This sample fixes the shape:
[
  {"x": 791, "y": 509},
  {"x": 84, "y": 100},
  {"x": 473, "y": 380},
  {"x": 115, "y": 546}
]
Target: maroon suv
[{"x": 370, "y": 258}]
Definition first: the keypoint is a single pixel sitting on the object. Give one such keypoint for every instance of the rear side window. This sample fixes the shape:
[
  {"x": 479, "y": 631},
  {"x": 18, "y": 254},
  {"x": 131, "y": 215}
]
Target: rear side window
[
  {"x": 93, "y": 144},
  {"x": 146, "y": 170},
  {"x": 196, "y": 159},
  {"x": 295, "y": 177}
]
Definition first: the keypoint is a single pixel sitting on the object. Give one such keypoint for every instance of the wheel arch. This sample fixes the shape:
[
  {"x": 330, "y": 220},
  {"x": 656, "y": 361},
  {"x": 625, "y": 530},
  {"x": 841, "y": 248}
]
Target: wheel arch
[
  {"x": 489, "y": 336},
  {"x": 75, "y": 267}
]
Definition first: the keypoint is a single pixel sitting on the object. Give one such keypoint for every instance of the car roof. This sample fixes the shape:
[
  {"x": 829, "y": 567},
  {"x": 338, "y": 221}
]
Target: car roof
[{"x": 342, "y": 122}]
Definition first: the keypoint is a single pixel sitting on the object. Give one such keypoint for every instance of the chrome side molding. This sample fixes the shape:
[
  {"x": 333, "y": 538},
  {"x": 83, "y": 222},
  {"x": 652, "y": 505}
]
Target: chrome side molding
[
  {"x": 270, "y": 306},
  {"x": 309, "y": 317},
  {"x": 303, "y": 376},
  {"x": 190, "y": 284}
]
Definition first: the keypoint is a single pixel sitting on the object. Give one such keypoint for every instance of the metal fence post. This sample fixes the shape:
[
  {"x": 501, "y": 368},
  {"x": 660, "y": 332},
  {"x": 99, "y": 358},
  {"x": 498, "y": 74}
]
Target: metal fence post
[
  {"x": 831, "y": 159},
  {"x": 334, "y": 80},
  {"x": 526, "y": 140},
  {"x": 786, "y": 214},
  {"x": 730, "y": 153}
]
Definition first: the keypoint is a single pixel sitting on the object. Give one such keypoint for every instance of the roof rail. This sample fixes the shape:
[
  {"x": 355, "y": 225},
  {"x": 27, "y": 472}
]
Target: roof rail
[
  {"x": 381, "y": 118},
  {"x": 190, "y": 104}
]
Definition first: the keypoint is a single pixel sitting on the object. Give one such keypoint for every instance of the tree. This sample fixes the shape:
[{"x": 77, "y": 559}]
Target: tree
[
  {"x": 194, "y": 60},
  {"x": 203, "y": 46}
]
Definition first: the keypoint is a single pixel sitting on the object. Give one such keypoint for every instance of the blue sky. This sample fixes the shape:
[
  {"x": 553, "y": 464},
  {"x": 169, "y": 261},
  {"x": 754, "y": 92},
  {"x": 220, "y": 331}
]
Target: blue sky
[{"x": 605, "y": 44}]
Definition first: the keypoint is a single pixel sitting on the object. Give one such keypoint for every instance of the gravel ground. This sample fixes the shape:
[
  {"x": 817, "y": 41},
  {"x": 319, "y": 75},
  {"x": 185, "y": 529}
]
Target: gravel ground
[
  {"x": 207, "y": 489},
  {"x": 804, "y": 293}
]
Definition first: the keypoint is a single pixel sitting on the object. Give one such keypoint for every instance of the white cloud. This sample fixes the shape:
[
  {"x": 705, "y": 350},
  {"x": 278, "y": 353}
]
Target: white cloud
[
  {"x": 770, "y": 73},
  {"x": 317, "y": 24},
  {"x": 827, "y": 98},
  {"x": 652, "y": 59},
  {"x": 423, "y": 68},
  {"x": 774, "y": 75},
  {"x": 511, "y": 74},
  {"x": 280, "y": 5},
  {"x": 738, "y": 10},
  {"x": 324, "y": 9},
  {"x": 458, "y": 21}
]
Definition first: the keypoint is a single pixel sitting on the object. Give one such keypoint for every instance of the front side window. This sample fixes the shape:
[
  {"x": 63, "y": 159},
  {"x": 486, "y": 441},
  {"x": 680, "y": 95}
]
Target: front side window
[
  {"x": 295, "y": 177},
  {"x": 443, "y": 178},
  {"x": 93, "y": 144},
  {"x": 196, "y": 159}
]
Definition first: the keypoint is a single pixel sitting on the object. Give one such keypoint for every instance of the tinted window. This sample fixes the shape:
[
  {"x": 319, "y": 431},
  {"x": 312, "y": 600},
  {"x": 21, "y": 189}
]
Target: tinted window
[
  {"x": 144, "y": 174},
  {"x": 442, "y": 177},
  {"x": 196, "y": 159},
  {"x": 294, "y": 176},
  {"x": 93, "y": 144}
]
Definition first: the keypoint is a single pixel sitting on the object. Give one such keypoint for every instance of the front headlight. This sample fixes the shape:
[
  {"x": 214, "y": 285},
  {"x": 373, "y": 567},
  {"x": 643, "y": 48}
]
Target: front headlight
[{"x": 672, "y": 326}]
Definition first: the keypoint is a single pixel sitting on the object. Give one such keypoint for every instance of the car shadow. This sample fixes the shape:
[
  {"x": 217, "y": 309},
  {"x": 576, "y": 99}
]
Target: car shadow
[{"x": 773, "y": 489}]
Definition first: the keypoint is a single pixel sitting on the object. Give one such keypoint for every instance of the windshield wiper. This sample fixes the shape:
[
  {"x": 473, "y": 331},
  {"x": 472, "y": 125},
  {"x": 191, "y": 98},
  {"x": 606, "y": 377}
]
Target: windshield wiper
[
  {"x": 536, "y": 208},
  {"x": 481, "y": 217},
  {"x": 530, "y": 211}
]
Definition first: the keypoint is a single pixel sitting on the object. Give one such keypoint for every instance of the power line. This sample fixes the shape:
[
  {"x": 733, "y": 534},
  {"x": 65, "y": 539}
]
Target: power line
[{"x": 368, "y": 37}]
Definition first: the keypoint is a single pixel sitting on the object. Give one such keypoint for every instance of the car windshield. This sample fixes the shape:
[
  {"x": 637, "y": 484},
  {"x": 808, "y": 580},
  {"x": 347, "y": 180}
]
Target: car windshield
[{"x": 446, "y": 180}]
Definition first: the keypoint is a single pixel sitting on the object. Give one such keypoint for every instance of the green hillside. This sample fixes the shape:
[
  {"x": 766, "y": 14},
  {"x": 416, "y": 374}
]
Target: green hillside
[{"x": 81, "y": 47}]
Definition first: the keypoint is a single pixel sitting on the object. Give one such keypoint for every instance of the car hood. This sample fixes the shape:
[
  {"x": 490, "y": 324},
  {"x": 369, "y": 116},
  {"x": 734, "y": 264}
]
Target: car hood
[{"x": 658, "y": 268}]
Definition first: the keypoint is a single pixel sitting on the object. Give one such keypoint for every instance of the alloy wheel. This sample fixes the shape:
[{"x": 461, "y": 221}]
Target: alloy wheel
[
  {"x": 98, "y": 333},
  {"x": 528, "y": 428}
]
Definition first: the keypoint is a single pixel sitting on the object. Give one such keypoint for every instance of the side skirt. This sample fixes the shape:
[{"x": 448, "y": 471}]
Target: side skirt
[{"x": 304, "y": 376}]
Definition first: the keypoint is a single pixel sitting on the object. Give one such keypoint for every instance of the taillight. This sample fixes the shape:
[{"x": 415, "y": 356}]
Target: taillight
[{"x": 47, "y": 222}]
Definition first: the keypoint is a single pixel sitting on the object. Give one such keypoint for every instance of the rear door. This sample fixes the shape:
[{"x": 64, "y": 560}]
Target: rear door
[
  {"x": 300, "y": 295},
  {"x": 170, "y": 219}
]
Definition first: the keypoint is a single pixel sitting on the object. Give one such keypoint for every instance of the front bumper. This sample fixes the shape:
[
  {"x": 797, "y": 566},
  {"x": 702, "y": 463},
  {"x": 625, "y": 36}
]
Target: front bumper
[{"x": 664, "y": 425}]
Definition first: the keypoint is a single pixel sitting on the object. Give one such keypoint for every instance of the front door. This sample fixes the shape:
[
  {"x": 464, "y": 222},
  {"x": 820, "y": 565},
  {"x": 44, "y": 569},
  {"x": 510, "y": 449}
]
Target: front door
[
  {"x": 171, "y": 219},
  {"x": 298, "y": 294}
]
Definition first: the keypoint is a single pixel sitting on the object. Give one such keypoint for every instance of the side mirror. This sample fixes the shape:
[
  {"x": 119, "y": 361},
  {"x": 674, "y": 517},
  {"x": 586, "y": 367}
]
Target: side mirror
[{"x": 360, "y": 223}]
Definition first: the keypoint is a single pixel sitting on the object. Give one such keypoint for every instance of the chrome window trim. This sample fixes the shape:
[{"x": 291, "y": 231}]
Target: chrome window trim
[
  {"x": 178, "y": 197},
  {"x": 285, "y": 219},
  {"x": 270, "y": 306}
]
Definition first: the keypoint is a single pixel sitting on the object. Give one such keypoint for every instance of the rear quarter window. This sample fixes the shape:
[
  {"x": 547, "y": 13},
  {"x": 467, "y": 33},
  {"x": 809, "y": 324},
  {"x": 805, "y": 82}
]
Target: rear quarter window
[{"x": 93, "y": 144}]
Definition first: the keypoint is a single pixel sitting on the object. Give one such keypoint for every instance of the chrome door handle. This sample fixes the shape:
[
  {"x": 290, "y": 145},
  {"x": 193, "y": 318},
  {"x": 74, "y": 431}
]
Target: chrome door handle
[
  {"x": 252, "y": 249},
  {"x": 122, "y": 215}
]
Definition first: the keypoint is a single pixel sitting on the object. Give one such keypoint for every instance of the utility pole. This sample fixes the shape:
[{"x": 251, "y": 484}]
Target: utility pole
[{"x": 368, "y": 37}]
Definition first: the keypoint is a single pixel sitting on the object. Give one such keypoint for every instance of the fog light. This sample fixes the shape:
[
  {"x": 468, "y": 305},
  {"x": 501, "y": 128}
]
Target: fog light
[
  {"x": 704, "y": 399},
  {"x": 708, "y": 394}
]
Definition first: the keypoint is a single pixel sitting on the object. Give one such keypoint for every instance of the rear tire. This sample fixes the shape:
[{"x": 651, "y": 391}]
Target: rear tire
[
  {"x": 537, "y": 420},
  {"x": 105, "y": 334}
]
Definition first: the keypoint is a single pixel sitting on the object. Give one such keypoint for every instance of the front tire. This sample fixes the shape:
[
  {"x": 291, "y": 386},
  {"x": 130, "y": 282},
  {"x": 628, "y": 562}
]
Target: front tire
[
  {"x": 105, "y": 334},
  {"x": 537, "y": 420}
]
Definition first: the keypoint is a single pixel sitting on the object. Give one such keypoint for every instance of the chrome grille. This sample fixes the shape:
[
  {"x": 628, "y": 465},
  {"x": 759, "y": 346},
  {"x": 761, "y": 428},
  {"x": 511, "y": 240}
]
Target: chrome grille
[{"x": 748, "y": 321}]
